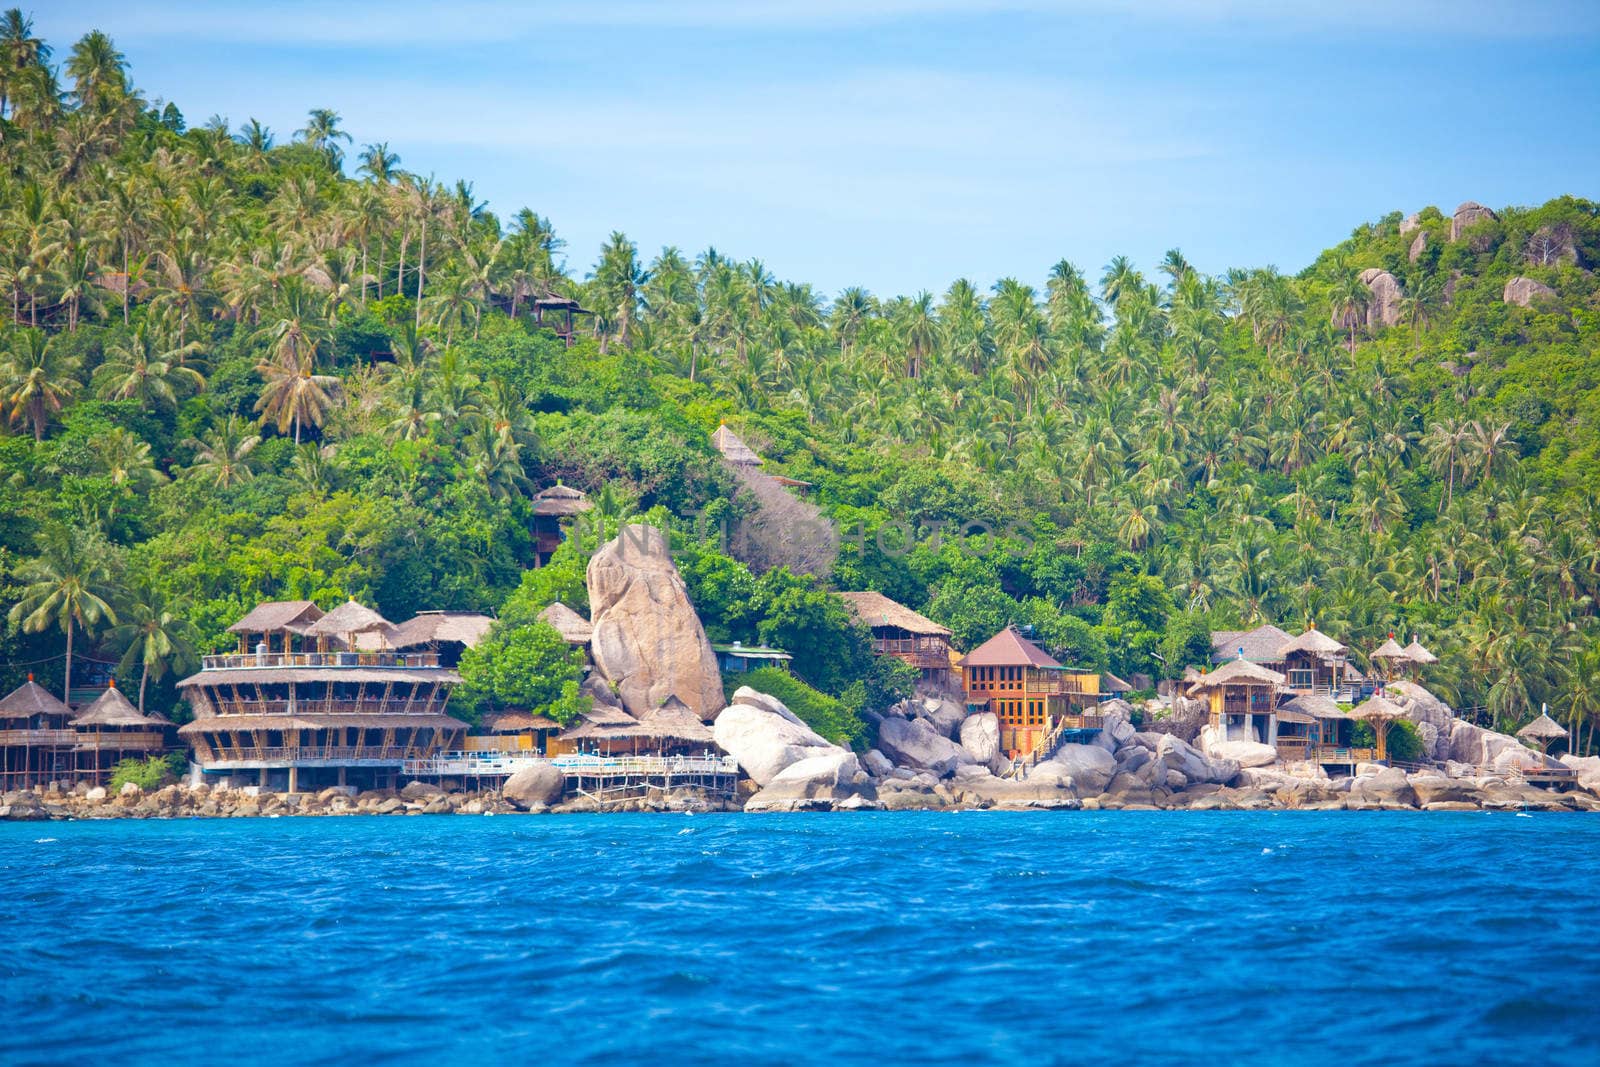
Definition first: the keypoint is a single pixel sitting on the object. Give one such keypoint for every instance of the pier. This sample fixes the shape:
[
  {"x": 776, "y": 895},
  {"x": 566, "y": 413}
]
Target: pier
[{"x": 604, "y": 779}]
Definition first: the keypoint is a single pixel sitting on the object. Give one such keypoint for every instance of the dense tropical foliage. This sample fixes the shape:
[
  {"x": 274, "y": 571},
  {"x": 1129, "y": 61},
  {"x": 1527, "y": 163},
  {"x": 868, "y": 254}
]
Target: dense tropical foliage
[{"x": 240, "y": 367}]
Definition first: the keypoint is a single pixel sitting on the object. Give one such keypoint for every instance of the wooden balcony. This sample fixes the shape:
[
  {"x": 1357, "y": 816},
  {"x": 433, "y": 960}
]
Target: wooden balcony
[
  {"x": 311, "y": 755},
  {"x": 111, "y": 741},
  {"x": 235, "y": 661},
  {"x": 394, "y": 705},
  {"x": 38, "y": 738}
]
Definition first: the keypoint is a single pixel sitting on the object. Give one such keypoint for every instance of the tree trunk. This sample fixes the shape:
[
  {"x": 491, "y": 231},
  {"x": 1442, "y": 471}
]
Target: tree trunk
[
  {"x": 127, "y": 282},
  {"x": 66, "y": 678},
  {"x": 422, "y": 261},
  {"x": 144, "y": 676}
]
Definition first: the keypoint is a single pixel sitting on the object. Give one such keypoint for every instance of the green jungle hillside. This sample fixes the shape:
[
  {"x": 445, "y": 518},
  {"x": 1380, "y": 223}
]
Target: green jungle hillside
[{"x": 242, "y": 364}]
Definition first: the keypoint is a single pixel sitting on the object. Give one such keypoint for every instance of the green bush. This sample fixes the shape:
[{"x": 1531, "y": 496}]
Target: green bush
[
  {"x": 147, "y": 774},
  {"x": 828, "y": 716}
]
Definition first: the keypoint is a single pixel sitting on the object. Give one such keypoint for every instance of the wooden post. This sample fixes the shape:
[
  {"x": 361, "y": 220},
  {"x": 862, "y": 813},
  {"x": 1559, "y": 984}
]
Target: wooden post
[{"x": 293, "y": 779}]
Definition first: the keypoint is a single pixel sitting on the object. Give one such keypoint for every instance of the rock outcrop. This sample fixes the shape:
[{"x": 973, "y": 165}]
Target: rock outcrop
[
  {"x": 541, "y": 785},
  {"x": 648, "y": 641},
  {"x": 1244, "y": 753},
  {"x": 1468, "y": 215},
  {"x": 1525, "y": 292},
  {"x": 1419, "y": 244},
  {"x": 1410, "y": 222},
  {"x": 980, "y": 736},
  {"x": 916, "y": 744},
  {"x": 1384, "y": 307},
  {"x": 766, "y": 737},
  {"x": 823, "y": 782}
]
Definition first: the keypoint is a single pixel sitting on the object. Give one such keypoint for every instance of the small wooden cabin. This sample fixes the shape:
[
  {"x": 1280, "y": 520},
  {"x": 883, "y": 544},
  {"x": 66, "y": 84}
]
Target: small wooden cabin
[
  {"x": 1031, "y": 694},
  {"x": 671, "y": 729},
  {"x": 898, "y": 631},
  {"x": 574, "y": 628},
  {"x": 444, "y": 634},
  {"x": 738, "y": 658},
  {"x": 1314, "y": 663},
  {"x": 517, "y": 732},
  {"x": 36, "y": 738},
  {"x": 111, "y": 730},
  {"x": 1243, "y": 698},
  {"x": 550, "y": 507}
]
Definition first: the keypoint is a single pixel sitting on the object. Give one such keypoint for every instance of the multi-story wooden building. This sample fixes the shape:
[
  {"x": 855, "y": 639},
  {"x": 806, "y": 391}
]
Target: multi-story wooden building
[
  {"x": 1243, "y": 699},
  {"x": 36, "y": 738},
  {"x": 904, "y": 634},
  {"x": 308, "y": 708},
  {"x": 1314, "y": 663},
  {"x": 1034, "y": 697},
  {"x": 550, "y": 507}
]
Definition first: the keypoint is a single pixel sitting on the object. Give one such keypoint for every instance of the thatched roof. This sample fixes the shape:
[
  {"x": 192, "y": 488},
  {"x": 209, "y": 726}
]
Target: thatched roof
[
  {"x": 111, "y": 708},
  {"x": 574, "y": 628},
  {"x": 734, "y": 450},
  {"x": 1110, "y": 683},
  {"x": 30, "y": 699},
  {"x": 278, "y": 616},
  {"x": 1313, "y": 641},
  {"x": 350, "y": 617},
  {"x": 1417, "y": 654},
  {"x": 560, "y": 500},
  {"x": 1237, "y": 672},
  {"x": 431, "y": 627},
  {"x": 318, "y": 721},
  {"x": 1377, "y": 708},
  {"x": 516, "y": 722},
  {"x": 1264, "y": 644},
  {"x": 875, "y": 609},
  {"x": 1290, "y": 715},
  {"x": 1008, "y": 648},
  {"x": 1390, "y": 650},
  {"x": 1315, "y": 705},
  {"x": 280, "y": 675},
  {"x": 1544, "y": 728},
  {"x": 672, "y": 721}
]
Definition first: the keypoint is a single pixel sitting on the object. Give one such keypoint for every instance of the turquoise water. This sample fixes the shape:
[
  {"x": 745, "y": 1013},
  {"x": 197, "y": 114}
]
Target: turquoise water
[{"x": 1301, "y": 938}]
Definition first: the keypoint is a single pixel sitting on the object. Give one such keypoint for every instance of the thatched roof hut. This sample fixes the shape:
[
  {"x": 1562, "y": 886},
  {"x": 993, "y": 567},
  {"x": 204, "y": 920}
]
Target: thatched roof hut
[
  {"x": 519, "y": 722},
  {"x": 1542, "y": 731},
  {"x": 1417, "y": 654},
  {"x": 875, "y": 609},
  {"x": 733, "y": 449},
  {"x": 278, "y": 616},
  {"x": 1264, "y": 644},
  {"x": 1314, "y": 705},
  {"x": 1313, "y": 641},
  {"x": 573, "y": 628},
  {"x": 1391, "y": 651},
  {"x": 1377, "y": 709},
  {"x": 465, "y": 628},
  {"x": 561, "y": 500},
  {"x": 349, "y": 619},
  {"x": 672, "y": 722},
  {"x": 31, "y": 699},
  {"x": 111, "y": 709},
  {"x": 1236, "y": 672}
]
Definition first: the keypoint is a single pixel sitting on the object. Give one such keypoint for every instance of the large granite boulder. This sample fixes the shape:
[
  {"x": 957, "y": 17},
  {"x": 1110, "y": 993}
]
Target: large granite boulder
[
  {"x": 980, "y": 736},
  {"x": 1387, "y": 787},
  {"x": 916, "y": 744},
  {"x": 941, "y": 713},
  {"x": 1468, "y": 215},
  {"x": 1588, "y": 768},
  {"x": 1525, "y": 292},
  {"x": 816, "y": 782},
  {"x": 1178, "y": 755},
  {"x": 538, "y": 786},
  {"x": 1410, "y": 222},
  {"x": 1089, "y": 767},
  {"x": 1419, "y": 244},
  {"x": 647, "y": 638},
  {"x": 1384, "y": 307},
  {"x": 1549, "y": 246},
  {"x": 766, "y": 737},
  {"x": 1244, "y": 753}
]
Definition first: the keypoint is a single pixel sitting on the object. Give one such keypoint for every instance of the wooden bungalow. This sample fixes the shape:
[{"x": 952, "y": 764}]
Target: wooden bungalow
[
  {"x": 563, "y": 312},
  {"x": 36, "y": 738},
  {"x": 1314, "y": 663},
  {"x": 898, "y": 631},
  {"x": 1243, "y": 699},
  {"x": 445, "y": 634},
  {"x": 310, "y": 717},
  {"x": 550, "y": 507},
  {"x": 734, "y": 450},
  {"x": 573, "y": 628},
  {"x": 516, "y": 732},
  {"x": 1032, "y": 695},
  {"x": 1113, "y": 687},
  {"x": 739, "y": 658},
  {"x": 671, "y": 729},
  {"x": 282, "y": 620},
  {"x": 111, "y": 730}
]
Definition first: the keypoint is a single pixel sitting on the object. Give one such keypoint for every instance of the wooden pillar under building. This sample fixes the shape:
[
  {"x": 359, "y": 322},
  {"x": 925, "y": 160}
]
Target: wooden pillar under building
[
  {"x": 293, "y": 778},
  {"x": 341, "y": 776},
  {"x": 262, "y": 780}
]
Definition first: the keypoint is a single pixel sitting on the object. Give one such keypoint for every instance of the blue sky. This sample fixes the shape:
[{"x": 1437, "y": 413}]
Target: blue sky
[{"x": 899, "y": 145}]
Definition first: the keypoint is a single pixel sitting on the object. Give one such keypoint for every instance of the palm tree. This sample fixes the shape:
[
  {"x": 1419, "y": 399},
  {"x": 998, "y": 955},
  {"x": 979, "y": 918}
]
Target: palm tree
[
  {"x": 295, "y": 394},
  {"x": 322, "y": 132},
  {"x": 155, "y": 634},
  {"x": 223, "y": 456},
  {"x": 135, "y": 369},
  {"x": 36, "y": 378},
  {"x": 98, "y": 71},
  {"x": 69, "y": 586}
]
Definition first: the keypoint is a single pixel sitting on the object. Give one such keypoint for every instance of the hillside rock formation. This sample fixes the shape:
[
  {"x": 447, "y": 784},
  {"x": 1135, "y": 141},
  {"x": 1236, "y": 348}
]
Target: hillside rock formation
[
  {"x": 1468, "y": 215},
  {"x": 766, "y": 737},
  {"x": 648, "y": 641},
  {"x": 1384, "y": 308},
  {"x": 1523, "y": 292}
]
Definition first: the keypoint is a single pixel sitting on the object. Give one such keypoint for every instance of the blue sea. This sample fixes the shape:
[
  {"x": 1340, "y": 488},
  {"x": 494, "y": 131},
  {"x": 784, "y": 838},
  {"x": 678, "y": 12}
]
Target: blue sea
[{"x": 966, "y": 938}]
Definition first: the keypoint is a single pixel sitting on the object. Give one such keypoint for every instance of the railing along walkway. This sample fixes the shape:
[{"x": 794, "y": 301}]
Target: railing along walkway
[{"x": 502, "y": 764}]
